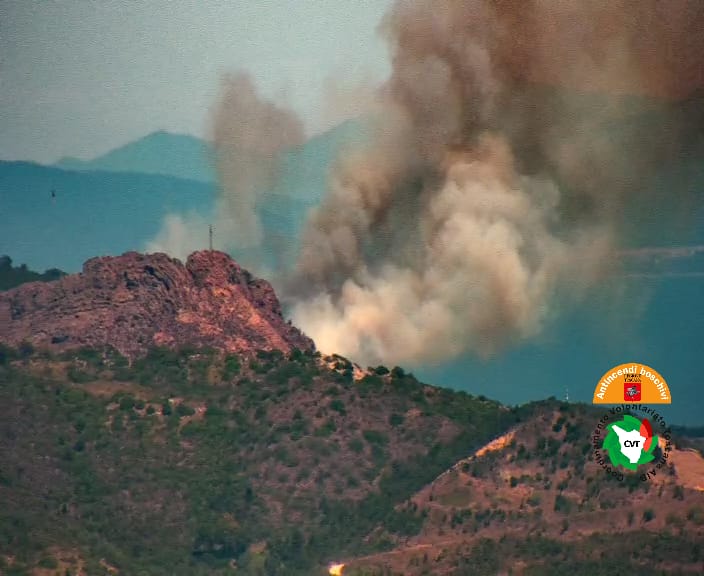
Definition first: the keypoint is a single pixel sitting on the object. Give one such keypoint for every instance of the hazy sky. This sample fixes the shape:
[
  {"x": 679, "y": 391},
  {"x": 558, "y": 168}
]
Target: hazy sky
[{"x": 79, "y": 78}]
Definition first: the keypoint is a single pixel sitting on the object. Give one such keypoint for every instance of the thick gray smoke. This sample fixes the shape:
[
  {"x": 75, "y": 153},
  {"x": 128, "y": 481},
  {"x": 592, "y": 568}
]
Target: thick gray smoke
[{"x": 513, "y": 137}]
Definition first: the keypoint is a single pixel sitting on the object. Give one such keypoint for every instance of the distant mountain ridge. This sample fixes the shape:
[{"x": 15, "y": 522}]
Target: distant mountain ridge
[
  {"x": 91, "y": 212},
  {"x": 179, "y": 155},
  {"x": 117, "y": 202},
  {"x": 186, "y": 156}
]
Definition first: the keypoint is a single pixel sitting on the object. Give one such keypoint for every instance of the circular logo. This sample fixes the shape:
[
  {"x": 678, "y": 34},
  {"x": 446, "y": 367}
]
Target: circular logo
[
  {"x": 630, "y": 442},
  {"x": 623, "y": 443}
]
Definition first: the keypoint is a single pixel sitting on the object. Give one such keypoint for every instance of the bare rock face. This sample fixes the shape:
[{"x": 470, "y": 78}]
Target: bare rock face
[{"x": 136, "y": 301}]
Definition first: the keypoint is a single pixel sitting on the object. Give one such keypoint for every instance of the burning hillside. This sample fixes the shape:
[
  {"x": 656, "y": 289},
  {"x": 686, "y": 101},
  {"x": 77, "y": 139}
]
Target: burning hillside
[{"x": 496, "y": 180}]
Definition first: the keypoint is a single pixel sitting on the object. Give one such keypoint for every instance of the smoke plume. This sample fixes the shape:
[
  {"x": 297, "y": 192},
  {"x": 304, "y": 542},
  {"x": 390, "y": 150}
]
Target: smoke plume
[
  {"x": 180, "y": 235},
  {"x": 249, "y": 133},
  {"x": 512, "y": 145}
]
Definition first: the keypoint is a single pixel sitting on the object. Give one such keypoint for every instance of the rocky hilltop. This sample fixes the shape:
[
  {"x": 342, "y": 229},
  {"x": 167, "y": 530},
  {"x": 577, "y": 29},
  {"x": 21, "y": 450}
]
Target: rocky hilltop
[{"x": 134, "y": 301}]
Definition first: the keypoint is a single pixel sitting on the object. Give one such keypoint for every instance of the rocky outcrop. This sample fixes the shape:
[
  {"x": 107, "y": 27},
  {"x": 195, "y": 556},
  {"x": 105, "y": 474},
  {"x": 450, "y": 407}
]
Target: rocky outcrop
[{"x": 136, "y": 301}]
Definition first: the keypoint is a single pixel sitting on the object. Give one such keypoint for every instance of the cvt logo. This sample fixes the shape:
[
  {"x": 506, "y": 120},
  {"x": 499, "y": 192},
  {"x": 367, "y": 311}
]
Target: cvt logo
[
  {"x": 630, "y": 442},
  {"x": 625, "y": 444}
]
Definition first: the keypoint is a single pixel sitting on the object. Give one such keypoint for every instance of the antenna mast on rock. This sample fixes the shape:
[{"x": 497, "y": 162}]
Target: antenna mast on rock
[{"x": 210, "y": 235}]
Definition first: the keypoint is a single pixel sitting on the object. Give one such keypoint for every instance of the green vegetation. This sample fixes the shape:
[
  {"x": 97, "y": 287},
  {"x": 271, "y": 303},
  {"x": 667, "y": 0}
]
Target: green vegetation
[
  {"x": 138, "y": 475},
  {"x": 12, "y": 276},
  {"x": 396, "y": 419},
  {"x": 600, "y": 554},
  {"x": 696, "y": 515},
  {"x": 192, "y": 462}
]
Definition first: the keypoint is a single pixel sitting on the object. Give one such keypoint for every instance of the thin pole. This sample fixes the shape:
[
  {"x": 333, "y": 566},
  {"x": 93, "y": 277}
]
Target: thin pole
[{"x": 210, "y": 234}]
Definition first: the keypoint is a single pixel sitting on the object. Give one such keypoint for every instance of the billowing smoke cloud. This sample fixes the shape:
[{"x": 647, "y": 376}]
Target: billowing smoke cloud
[
  {"x": 514, "y": 139},
  {"x": 249, "y": 134},
  {"x": 344, "y": 99}
]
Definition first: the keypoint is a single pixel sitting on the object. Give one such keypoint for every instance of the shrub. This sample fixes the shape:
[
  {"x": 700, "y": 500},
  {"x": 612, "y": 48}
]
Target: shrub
[
  {"x": 258, "y": 367},
  {"x": 378, "y": 455},
  {"x": 326, "y": 429},
  {"x": 6, "y": 354},
  {"x": 78, "y": 376},
  {"x": 185, "y": 410},
  {"x": 674, "y": 520},
  {"x": 270, "y": 355},
  {"x": 356, "y": 445},
  {"x": 48, "y": 562},
  {"x": 299, "y": 428},
  {"x": 559, "y": 424},
  {"x": 338, "y": 406},
  {"x": 573, "y": 434},
  {"x": 696, "y": 515},
  {"x": 284, "y": 455},
  {"x": 368, "y": 384},
  {"x": 213, "y": 412},
  {"x": 396, "y": 419},
  {"x": 296, "y": 355},
  {"x": 648, "y": 514},
  {"x": 90, "y": 355},
  {"x": 25, "y": 349},
  {"x": 375, "y": 437},
  {"x": 562, "y": 504},
  {"x": 126, "y": 403},
  {"x": 397, "y": 372}
]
